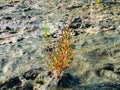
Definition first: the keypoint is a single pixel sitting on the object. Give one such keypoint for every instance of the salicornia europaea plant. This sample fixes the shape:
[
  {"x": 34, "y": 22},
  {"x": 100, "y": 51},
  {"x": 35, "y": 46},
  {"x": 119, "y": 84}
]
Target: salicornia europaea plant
[
  {"x": 62, "y": 53},
  {"x": 46, "y": 31}
]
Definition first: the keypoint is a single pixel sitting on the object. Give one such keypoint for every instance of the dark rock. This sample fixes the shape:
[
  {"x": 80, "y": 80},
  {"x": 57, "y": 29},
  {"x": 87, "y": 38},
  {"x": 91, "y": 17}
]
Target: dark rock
[
  {"x": 49, "y": 74},
  {"x": 27, "y": 9},
  {"x": 105, "y": 23},
  {"x": 8, "y": 28},
  {"x": 77, "y": 19},
  {"x": 98, "y": 72},
  {"x": 54, "y": 35},
  {"x": 103, "y": 86},
  {"x": 12, "y": 32},
  {"x": 117, "y": 68},
  {"x": 2, "y": 86},
  {"x": 13, "y": 2},
  {"x": 28, "y": 86},
  {"x": 20, "y": 39},
  {"x": 13, "y": 82},
  {"x": 18, "y": 88},
  {"x": 76, "y": 23},
  {"x": 23, "y": 17},
  {"x": 109, "y": 66},
  {"x": 85, "y": 25},
  {"x": 7, "y": 18},
  {"x": 118, "y": 71},
  {"x": 76, "y": 33},
  {"x": 45, "y": 50},
  {"x": 1, "y": 7},
  {"x": 9, "y": 5},
  {"x": 40, "y": 82},
  {"x": 68, "y": 81},
  {"x": 118, "y": 13},
  {"x": 29, "y": 17},
  {"x": 3, "y": 62}
]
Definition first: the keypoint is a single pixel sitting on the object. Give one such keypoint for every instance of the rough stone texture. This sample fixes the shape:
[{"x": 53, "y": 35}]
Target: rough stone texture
[{"x": 96, "y": 32}]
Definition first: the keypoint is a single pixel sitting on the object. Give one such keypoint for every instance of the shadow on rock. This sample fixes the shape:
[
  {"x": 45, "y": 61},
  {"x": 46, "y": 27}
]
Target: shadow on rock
[
  {"x": 102, "y": 86},
  {"x": 11, "y": 83},
  {"x": 114, "y": 3},
  {"x": 66, "y": 81},
  {"x": 32, "y": 74}
]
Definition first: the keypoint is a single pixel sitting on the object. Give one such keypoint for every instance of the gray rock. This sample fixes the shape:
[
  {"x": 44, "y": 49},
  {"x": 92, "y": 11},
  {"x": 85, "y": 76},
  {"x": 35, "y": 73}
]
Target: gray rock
[{"x": 96, "y": 33}]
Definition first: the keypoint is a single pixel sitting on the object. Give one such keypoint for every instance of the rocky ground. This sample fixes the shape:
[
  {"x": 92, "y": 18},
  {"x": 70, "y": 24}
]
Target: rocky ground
[{"x": 96, "y": 32}]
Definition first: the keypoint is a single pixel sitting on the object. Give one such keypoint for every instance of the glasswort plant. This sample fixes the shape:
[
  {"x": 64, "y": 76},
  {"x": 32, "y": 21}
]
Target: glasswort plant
[{"x": 62, "y": 53}]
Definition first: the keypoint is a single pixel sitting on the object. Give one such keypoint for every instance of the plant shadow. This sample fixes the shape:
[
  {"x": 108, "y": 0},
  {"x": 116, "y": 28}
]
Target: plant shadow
[{"x": 67, "y": 81}]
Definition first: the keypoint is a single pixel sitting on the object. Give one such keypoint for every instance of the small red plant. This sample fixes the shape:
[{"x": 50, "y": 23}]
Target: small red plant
[{"x": 62, "y": 53}]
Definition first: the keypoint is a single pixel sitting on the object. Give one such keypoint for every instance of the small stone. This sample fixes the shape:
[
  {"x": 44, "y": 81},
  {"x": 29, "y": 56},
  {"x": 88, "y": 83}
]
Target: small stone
[
  {"x": 7, "y": 18},
  {"x": 8, "y": 28}
]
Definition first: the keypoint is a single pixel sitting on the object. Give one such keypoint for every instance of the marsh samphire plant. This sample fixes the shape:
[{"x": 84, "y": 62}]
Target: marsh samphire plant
[{"x": 62, "y": 52}]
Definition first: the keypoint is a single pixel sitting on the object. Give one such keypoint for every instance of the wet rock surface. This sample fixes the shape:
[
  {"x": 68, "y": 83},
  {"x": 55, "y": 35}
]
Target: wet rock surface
[{"x": 96, "y": 32}]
